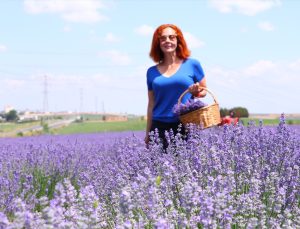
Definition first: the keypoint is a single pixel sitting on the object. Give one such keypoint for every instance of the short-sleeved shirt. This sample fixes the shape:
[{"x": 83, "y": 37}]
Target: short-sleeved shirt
[{"x": 167, "y": 90}]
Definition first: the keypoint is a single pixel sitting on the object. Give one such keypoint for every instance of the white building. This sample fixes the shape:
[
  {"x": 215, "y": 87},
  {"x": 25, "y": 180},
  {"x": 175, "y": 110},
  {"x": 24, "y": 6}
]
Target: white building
[{"x": 8, "y": 108}]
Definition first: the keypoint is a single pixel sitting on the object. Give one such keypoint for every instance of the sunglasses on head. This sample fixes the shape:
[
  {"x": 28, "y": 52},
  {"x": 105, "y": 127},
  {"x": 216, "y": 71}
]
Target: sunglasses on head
[{"x": 171, "y": 37}]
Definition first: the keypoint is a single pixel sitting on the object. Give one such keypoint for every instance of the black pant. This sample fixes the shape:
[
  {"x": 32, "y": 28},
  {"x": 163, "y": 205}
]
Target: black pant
[{"x": 162, "y": 127}]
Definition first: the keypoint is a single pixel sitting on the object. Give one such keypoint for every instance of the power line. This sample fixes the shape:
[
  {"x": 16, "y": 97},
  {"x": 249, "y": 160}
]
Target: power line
[{"x": 45, "y": 102}]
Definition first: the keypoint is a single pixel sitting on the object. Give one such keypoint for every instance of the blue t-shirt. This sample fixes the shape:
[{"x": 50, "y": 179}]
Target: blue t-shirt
[{"x": 167, "y": 90}]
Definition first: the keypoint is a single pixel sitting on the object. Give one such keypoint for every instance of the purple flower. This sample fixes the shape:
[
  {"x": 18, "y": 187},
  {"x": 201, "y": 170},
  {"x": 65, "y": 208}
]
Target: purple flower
[
  {"x": 189, "y": 106},
  {"x": 245, "y": 176}
]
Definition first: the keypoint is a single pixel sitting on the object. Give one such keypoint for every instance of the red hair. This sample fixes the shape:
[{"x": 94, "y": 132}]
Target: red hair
[{"x": 182, "y": 50}]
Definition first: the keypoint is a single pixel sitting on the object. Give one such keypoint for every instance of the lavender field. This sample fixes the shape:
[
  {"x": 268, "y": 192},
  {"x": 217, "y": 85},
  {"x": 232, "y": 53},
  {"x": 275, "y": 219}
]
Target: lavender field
[{"x": 222, "y": 177}]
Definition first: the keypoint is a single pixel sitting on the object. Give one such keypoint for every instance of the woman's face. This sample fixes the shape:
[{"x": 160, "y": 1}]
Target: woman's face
[{"x": 168, "y": 40}]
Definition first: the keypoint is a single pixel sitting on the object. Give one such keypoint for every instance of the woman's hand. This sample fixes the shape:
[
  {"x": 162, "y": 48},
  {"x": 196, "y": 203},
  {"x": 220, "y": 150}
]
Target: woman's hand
[
  {"x": 195, "y": 89},
  {"x": 147, "y": 140}
]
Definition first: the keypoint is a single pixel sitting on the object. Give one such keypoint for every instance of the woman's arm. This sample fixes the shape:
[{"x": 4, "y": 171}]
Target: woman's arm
[{"x": 149, "y": 114}]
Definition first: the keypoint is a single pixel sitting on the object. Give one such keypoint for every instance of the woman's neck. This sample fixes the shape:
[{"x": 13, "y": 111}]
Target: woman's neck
[{"x": 170, "y": 59}]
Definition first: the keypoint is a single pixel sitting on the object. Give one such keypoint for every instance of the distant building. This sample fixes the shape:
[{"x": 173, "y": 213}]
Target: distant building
[
  {"x": 109, "y": 117},
  {"x": 28, "y": 117},
  {"x": 8, "y": 108},
  {"x": 144, "y": 117}
]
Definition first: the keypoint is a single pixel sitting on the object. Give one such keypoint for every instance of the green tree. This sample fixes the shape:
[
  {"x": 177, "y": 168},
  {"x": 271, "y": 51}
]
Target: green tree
[
  {"x": 241, "y": 112},
  {"x": 224, "y": 112},
  {"x": 12, "y": 116}
]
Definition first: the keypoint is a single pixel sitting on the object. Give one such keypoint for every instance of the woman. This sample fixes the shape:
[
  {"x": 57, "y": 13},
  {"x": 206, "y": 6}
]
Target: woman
[{"x": 169, "y": 78}]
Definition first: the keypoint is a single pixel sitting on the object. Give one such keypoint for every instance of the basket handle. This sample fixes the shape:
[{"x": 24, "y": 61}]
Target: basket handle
[{"x": 187, "y": 91}]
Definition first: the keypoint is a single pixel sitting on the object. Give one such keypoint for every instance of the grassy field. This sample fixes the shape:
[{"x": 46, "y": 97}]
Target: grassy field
[
  {"x": 94, "y": 127},
  {"x": 10, "y": 126},
  {"x": 245, "y": 121}
]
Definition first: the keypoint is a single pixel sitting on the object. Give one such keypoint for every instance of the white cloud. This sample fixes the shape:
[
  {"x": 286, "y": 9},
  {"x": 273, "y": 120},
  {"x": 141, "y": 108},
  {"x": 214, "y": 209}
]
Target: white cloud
[
  {"x": 116, "y": 57},
  {"x": 73, "y": 11},
  {"x": 244, "y": 30},
  {"x": 77, "y": 81},
  {"x": 192, "y": 41},
  {"x": 263, "y": 73},
  {"x": 259, "y": 68},
  {"x": 111, "y": 38},
  {"x": 12, "y": 83},
  {"x": 266, "y": 26},
  {"x": 295, "y": 65},
  {"x": 10, "y": 86},
  {"x": 67, "y": 29},
  {"x": 262, "y": 87},
  {"x": 144, "y": 30},
  {"x": 3, "y": 48},
  {"x": 246, "y": 7}
]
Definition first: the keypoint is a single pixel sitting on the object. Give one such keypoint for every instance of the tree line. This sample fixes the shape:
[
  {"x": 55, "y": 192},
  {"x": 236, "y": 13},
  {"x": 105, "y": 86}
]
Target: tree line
[
  {"x": 10, "y": 116},
  {"x": 239, "y": 112}
]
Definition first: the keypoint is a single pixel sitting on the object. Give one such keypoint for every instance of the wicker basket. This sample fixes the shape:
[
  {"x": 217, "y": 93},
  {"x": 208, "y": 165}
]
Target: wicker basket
[{"x": 206, "y": 116}]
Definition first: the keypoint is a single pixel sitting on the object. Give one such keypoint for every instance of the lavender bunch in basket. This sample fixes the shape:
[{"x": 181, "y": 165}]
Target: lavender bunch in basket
[{"x": 189, "y": 106}]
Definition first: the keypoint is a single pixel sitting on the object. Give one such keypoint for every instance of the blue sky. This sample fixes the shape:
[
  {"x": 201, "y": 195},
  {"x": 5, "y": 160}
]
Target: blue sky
[{"x": 95, "y": 53}]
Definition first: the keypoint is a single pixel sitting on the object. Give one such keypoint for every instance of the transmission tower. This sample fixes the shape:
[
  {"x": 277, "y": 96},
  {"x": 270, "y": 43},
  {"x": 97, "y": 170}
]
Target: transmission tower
[
  {"x": 45, "y": 102},
  {"x": 96, "y": 104},
  {"x": 81, "y": 101},
  {"x": 103, "y": 109}
]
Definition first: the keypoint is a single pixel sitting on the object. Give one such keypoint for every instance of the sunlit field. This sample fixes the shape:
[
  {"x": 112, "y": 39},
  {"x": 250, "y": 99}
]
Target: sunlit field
[
  {"x": 94, "y": 127},
  {"x": 244, "y": 176},
  {"x": 8, "y": 127}
]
